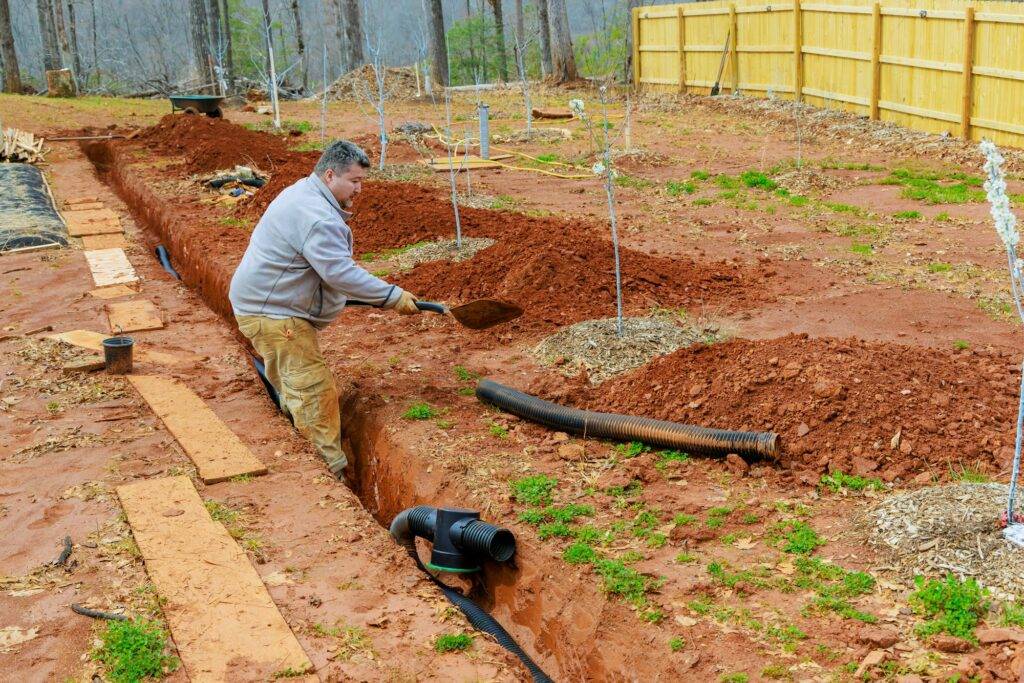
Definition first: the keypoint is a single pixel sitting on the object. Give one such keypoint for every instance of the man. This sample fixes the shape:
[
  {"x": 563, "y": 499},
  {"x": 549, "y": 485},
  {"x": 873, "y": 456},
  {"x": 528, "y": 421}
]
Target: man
[{"x": 295, "y": 278}]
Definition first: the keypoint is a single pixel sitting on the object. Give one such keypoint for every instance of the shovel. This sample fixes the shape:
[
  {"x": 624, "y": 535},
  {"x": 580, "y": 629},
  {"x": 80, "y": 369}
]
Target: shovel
[{"x": 476, "y": 315}]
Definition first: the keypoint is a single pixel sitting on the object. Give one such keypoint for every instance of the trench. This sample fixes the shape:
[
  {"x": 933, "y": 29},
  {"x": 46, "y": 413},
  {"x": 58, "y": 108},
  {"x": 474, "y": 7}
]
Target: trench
[{"x": 555, "y": 612}]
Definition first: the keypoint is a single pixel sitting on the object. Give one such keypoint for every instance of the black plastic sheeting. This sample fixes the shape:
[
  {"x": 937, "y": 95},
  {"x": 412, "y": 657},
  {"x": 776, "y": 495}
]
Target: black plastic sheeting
[{"x": 27, "y": 215}]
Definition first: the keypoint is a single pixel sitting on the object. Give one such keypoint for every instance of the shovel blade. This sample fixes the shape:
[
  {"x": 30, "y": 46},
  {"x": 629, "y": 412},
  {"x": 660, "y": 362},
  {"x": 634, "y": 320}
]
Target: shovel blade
[{"x": 484, "y": 313}]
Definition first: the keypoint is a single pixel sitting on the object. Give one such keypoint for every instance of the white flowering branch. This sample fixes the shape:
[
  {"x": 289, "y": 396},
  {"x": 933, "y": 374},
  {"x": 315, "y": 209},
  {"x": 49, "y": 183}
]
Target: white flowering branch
[
  {"x": 603, "y": 168},
  {"x": 1006, "y": 226}
]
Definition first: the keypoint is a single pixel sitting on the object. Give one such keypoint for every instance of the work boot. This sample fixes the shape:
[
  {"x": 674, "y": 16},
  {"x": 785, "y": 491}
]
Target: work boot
[{"x": 337, "y": 465}]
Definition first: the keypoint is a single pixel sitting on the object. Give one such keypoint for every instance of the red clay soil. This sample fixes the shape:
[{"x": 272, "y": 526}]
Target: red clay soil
[
  {"x": 212, "y": 144},
  {"x": 837, "y": 403}
]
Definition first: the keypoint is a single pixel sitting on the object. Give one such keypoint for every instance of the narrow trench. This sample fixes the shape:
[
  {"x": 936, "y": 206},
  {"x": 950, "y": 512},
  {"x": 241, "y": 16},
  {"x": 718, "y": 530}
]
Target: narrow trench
[{"x": 555, "y": 616}]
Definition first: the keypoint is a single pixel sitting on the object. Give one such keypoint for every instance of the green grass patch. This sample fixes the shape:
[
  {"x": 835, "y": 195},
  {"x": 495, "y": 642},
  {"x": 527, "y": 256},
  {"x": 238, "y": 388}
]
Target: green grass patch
[
  {"x": 727, "y": 182},
  {"x": 907, "y": 215},
  {"x": 626, "y": 582},
  {"x": 798, "y": 200},
  {"x": 939, "y": 267},
  {"x": 843, "y": 208},
  {"x": 676, "y": 644},
  {"x": 623, "y": 180},
  {"x": 675, "y": 188},
  {"x": 950, "y": 605},
  {"x": 961, "y": 344},
  {"x": 631, "y": 449},
  {"x": 420, "y": 411},
  {"x": 1011, "y": 614},
  {"x": 504, "y": 202},
  {"x": 796, "y": 537},
  {"x": 757, "y": 179},
  {"x": 703, "y": 201},
  {"x": 700, "y": 175},
  {"x": 863, "y": 249},
  {"x": 547, "y": 158},
  {"x": 734, "y": 678},
  {"x": 132, "y": 651},
  {"x": 716, "y": 517},
  {"x": 452, "y": 642},
  {"x": 534, "y": 490},
  {"x": 834, "y": 587},
  {"x": 944, "y": 216},
  {"x": 309, "y": 146},
  {"x": 579, "y": 553},
  {"x": 685, "y": 558},
  {"x": 839, "y": 481},
  {"x": 967, "y": 475},
  {"x": 497, "y": 431},
  {"x": 936, "y": 188}
]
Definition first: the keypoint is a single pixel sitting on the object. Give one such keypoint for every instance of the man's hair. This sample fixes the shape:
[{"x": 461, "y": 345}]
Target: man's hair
[{"x": 339, "y": 156}]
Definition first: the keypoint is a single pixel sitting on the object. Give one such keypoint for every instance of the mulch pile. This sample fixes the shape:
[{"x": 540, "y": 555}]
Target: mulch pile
[
  {"x": 213, "y": 144},
  {"x": 837, "y": 403}
]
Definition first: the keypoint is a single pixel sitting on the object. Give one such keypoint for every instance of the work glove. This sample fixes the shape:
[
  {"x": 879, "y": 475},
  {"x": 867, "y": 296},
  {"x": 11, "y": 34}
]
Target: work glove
[{"x": 406, "y": 304}]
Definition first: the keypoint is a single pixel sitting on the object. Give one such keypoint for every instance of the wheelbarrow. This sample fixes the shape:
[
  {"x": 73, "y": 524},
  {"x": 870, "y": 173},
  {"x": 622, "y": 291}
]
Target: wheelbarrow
[{"x": 197, "y": 104}]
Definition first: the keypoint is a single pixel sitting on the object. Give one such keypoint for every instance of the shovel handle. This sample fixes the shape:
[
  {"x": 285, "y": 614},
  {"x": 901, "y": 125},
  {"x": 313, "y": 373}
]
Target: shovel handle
[{"x": 431, "y": 306}]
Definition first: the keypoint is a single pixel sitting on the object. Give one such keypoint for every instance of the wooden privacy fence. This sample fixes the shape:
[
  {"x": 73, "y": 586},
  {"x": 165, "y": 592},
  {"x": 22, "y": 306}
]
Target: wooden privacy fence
[{"x": 938, "y": 66}]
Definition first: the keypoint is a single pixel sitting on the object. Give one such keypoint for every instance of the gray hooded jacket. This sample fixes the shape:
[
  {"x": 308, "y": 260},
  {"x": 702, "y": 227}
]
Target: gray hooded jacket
[{"x": 299, "y": 261}]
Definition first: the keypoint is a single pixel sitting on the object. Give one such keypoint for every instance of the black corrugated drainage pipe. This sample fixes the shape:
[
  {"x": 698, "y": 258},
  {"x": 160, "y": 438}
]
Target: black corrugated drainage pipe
[
  {"x": 165, "y": 261},
  {"x": 462, "y": 532},
  {"x": 692, "y": 439}
]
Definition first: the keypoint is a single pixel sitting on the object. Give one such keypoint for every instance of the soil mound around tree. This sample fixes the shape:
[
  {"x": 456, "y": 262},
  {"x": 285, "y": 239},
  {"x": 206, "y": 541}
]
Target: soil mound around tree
[
  {"x": 208, "y": 144},
  {"x": 870, "y": 408}
]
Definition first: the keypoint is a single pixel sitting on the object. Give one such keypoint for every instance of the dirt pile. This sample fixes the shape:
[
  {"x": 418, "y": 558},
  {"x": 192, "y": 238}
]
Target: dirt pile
[
  {"x": 871, "y": 408},
  {"x": 212, "y": 144},
  {"x": 562, "y": 273},
  {"x": 399, "y": 83}
]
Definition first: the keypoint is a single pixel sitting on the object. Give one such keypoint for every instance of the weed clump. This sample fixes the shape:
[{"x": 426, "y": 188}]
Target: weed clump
[
  {"x": 796, "y": 537},
  {"x": 535, "y": 490},
  {"x": 839, "y": 481},
  {"x": 419, "y": 411},
  {"x": 951, "y": 605},
  {"x": 452, "y": 642},
  {"x": 133, "y": 650}
]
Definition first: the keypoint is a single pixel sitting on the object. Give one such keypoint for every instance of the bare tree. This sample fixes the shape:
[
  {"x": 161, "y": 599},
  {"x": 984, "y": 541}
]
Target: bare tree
[
  {"x": 199, "y": 27},
  {"x": 229, "y": 52},
  {"x": 217, "y": 47},
  {"x": 95, "y": 56},
  {"x": 12, "y": 74},
  {"x": 562, "y": 58},
  {"x": 524, "y": 84},
  {"x": 520, "y": 20},
  {"x": 437, "y": 40},
  {"x": 271, "y": 67},
  {"x": 627, "y": 73},
  {"x": 377, "y": 99},
  {"x": 354, "y": 34},
  {"x": 51, "y": 50},
  {"x": 62, "y": 34},
  {"x": 332, "y": 9},
  {"x": 546, "y": 68},
  {"x": 300, "y": 44},
  {"x": 499, "y": 21},
  {"x": 76, "y": 55}
]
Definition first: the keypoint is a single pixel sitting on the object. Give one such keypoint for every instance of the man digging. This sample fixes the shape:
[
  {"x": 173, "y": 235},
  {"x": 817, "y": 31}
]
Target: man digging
[{"x": 294, "y": 279}]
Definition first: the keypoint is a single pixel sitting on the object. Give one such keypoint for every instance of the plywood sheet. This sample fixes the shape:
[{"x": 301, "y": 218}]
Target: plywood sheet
[
  {"x": 224, "y": 623},
  {"x": 87, "y": 339},
  {"x": 90, "y": 215},
  {"x": 113, "y": 292},
  {"x": 133, "y": 316},
  {"x": 110, "y": 241},
  {"x": 461, "y": 163},
  {"x": 82, "y": 206},
  {"x": 110, "y": 267},
  {"x": 78, "y": 228},
  {"x": 216, "y": 451},
  {"x": 81, "y": 199}
]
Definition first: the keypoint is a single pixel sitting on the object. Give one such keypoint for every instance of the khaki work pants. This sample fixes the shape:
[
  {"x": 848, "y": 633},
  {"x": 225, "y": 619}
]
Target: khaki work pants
[{"x": 302, "y": 379}]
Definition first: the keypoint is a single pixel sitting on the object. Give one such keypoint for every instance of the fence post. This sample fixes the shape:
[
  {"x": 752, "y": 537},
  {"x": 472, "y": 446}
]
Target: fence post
[
  {"x": 968, "y": 79},
  {"x": 636, "y": 48},
  {"x": 734, "y": 61},
  {"x": 798, "y": 52},
  {"x": 876, "y": 64},
  {"x": 681, "y": 28}
]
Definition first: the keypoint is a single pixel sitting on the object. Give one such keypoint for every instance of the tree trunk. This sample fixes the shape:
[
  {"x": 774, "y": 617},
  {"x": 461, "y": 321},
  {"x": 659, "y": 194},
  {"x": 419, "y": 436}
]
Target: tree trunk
[
  {"x": 268, "y": 38},
  {"x": 627, "y": 73},
  {"x": 217, "y": 42},
  {"x": 95, "y": 58},
  {"x": 76, "y": 55},
  {"x": 51, "y": 51},
  {"x": 301, "y": 45},
  {"x": 332, "y": 15},
  {"x": 472, "y": 41},
  {"x": 199, "y": 27},
  {"x": 546, "y": 68},
  {"x": 499, "y": 21},
  {"x": 437, "y": 40},
  {"x": 562, "y": 58},
  {"x": 354, "y": 34},
  {"x": 12, "y": 75},
  {"x": 62, "y": 33}
]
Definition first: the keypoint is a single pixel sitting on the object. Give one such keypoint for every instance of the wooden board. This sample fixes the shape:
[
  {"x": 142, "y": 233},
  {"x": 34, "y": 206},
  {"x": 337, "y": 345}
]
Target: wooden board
[
  {"x": 84, "y": 206},
  {"x": 111, "y": 241},
  {"x": 461, "y": 163},
  {"x": 223, "y": 621},
  {"x": 81, "y": 199},
  {"x": 551, "y": 113},
  {"x": 91, "y": 215},
  {"x": 216, "y": 451},
  {"x": 113, "y": 292},
  {"x": 87, "y": 339},
  {"x": 110, "y": 267},
  {"x": 133, "y": 316},
  {"x": 78, "y": 228}
]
